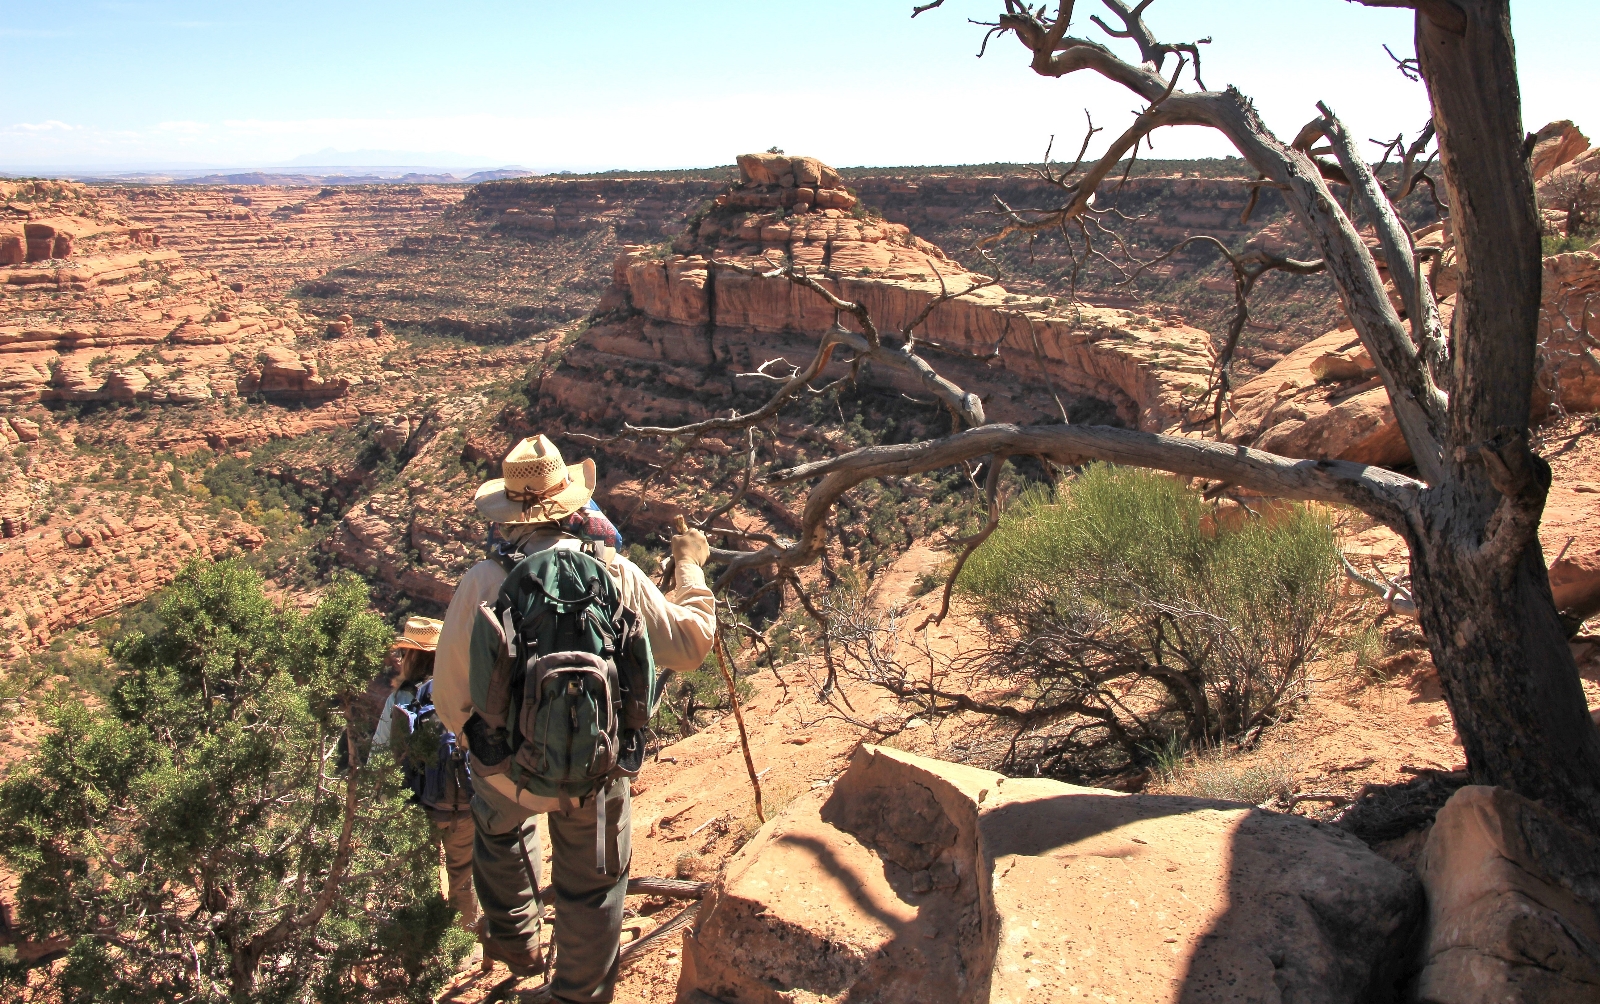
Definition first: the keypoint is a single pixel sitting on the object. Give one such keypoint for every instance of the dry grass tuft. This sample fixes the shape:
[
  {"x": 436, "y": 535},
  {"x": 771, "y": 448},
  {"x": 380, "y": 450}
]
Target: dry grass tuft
[{"x": 1255, "y": 778}]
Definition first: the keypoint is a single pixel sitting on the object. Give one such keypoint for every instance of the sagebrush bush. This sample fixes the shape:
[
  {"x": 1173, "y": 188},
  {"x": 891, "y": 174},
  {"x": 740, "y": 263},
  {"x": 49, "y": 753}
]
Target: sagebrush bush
[{"x": 1120, "y": 603}]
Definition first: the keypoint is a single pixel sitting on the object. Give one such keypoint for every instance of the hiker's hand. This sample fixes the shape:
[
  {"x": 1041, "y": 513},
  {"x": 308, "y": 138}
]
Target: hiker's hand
[{"x": 690, "y": 547}]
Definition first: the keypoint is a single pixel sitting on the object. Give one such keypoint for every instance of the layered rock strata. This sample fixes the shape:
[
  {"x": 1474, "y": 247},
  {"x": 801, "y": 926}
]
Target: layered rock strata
[
  {"x": 128, "y": 319},
  {"x": 94, "y": 512},
  {"x": 712, "y": 312},
  {"x": 268, "y": 238}
]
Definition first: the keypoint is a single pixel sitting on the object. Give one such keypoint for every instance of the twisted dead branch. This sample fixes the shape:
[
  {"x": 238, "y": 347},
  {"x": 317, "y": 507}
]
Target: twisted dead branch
[
  {"x": 1247, "y": 268},
  {"x": 1395, "y": 595}
]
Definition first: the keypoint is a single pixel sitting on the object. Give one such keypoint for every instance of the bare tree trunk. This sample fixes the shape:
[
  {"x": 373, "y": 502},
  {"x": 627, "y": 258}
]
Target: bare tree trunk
[
  {"x": 1506, "y": 669},
  {"x": 1509, "y": 678}
]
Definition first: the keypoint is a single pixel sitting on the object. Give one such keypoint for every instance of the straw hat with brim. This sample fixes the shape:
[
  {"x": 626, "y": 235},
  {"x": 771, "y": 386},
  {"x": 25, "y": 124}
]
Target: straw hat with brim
[
  {"x": 421, "y": 633},
  {"x": 538, "y": 485}
]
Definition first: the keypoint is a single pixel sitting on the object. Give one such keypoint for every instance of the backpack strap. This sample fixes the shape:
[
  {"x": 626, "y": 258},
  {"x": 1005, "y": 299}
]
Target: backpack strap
[
  {"x": 600, "y": 551},
  {"x": 600, "y": 828},
  {"x": 503, "y": 552}
]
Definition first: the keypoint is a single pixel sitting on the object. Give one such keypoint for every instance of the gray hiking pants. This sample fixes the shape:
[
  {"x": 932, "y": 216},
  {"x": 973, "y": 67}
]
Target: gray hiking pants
[{"x": 588, "y": 904}]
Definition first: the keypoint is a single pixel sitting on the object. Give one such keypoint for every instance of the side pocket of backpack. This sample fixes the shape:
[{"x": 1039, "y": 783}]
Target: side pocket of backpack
[
  {"x": 636, "y": 670},
  {"x": 489, "y": 669}
]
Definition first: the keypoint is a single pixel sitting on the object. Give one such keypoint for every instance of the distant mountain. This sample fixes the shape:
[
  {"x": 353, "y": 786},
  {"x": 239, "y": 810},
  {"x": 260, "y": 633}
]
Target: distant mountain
[
  {"x": 504, "y": 172},
  {"x": 329, "y": 157},
  {"x": 316, "y": 180}
]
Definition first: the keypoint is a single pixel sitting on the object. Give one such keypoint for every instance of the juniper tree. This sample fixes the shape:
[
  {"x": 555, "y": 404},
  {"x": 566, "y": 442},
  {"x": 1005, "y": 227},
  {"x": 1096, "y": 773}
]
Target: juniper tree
[{"x": 202, "y": 838}]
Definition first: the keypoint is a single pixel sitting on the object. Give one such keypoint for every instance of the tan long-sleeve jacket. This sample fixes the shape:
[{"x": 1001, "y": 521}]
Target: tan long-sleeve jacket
[{"x": 681, "y": 627}]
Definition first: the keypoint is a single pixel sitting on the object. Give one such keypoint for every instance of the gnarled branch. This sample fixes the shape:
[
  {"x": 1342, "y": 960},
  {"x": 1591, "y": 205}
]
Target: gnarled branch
[{"x": 1382, "y": 494}]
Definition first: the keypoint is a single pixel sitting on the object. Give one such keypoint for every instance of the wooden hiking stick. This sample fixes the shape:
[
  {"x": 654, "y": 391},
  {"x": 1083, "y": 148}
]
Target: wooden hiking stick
[{"x": 723, "y": 663}]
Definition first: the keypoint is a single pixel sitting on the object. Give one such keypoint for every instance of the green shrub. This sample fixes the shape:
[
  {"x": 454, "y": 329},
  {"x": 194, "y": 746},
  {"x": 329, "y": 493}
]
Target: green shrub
[
  {"x": 1558, "y": 244},
  {"x": 1117, "y": 604},
  {"x": 235, "y": 483},
  {"x": 206, "y": 806}
]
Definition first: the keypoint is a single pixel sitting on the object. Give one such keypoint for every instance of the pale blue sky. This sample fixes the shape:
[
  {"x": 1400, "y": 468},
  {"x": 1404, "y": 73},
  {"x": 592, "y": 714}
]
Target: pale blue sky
[{"x": 583, "y": 86}]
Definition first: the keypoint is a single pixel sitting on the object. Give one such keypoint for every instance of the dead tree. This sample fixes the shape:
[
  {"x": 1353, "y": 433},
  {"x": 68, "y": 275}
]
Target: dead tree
[
  {"x": 1576, "y": 193},
  {"x": 1471, "y": 521},
  {"x": 1462, "y": 397}
]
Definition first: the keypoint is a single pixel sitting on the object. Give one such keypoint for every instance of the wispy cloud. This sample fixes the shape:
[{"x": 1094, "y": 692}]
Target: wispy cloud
[
  {"x": 31, "y": 33},
  {"x": 49, "y": 125}
]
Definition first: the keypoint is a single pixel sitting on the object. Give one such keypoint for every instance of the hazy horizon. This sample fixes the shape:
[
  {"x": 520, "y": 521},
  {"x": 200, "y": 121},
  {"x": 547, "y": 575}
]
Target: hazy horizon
[{"x": 187, "y": 85}]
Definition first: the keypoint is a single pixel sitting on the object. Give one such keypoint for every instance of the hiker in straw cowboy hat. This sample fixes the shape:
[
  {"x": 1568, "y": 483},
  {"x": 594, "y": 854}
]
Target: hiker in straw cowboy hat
[
  {"x": 410, "y": 662},
  {"x": 539, "y": 487},
  {"x": 542, "y": 502},
  {"x": 414, "y": 652}
]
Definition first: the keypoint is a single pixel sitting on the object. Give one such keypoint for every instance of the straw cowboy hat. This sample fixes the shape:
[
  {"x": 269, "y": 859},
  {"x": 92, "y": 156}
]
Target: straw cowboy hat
[
  {"x": 538, "y": 485},
  {"x": 421, "y": 633}
]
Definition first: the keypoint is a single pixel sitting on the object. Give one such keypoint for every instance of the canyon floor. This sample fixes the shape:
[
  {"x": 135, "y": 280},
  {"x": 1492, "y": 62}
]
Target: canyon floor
[{"x": 320, "y": 378}]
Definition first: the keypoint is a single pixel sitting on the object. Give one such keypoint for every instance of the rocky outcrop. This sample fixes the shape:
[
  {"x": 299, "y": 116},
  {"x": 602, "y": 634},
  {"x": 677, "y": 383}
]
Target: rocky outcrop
[
  {"x": 1558, "y": 143},
  {"x": 712, "y": 295},
  {"x": 771, "y": 180},
  {"x": 1139, "y": 366},
  {"x": 916, "y": 880},
  {"x": 285, "y": 372},
  {"x": 1513, "y": 905},
  {"x": 1323, "y": 400},
  {"x": 1569, "y": 334}
]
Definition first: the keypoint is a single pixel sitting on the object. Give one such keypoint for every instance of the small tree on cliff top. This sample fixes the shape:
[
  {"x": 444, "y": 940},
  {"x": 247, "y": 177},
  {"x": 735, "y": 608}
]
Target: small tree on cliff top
[
  {"x": 197, "y": 841},
  {"x": 1462, "y": 395}
]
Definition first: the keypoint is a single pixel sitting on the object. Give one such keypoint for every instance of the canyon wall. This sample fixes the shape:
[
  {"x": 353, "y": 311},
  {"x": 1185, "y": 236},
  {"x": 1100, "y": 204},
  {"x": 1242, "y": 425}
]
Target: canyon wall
[{"x": 536, "y": 251}]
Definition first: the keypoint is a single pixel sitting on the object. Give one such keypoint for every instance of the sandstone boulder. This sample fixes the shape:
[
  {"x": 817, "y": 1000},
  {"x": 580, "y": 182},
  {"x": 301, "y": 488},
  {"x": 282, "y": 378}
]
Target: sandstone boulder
[
  {"x": 1350, "y": 363},
  {"x": 1513, "y": 905},
  {"x": 1556, "y": 144},
  {"x": 919, "y": 880},
  {"x": 287, "y": 374},
  {"x": 189, "y": 388},
  {"x": 71, "y": 379},
  {"x": 282, "y": 368},
  {"x": 1320, "y": 401},
  {"x": 13, "y": 244},
  {"x": 1325, "y": 400},
  {"x": 27, "y": 431},
  {"x": 392, "y": 432},
  {"x": 128, "y": 384},
  {"x": 763, "y": 168},
  {"x": 24, "y": 376}
]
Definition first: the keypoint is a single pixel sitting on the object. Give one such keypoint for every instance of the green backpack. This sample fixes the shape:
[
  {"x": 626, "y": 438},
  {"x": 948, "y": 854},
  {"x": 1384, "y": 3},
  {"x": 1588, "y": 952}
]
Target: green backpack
[{"x": 562, "y": 680}]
